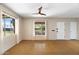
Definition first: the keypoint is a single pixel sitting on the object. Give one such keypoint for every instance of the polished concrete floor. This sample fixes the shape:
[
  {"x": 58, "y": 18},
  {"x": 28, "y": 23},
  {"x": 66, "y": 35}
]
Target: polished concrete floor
[{"x": 48, "y": 47}]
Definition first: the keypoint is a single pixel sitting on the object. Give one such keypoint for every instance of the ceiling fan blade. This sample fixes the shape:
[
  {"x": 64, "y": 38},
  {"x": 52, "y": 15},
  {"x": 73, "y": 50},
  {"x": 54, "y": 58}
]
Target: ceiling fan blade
[
  {"x": 39, "y": 11},
  {"x": 34, "y": 13},
  {"x": 42, "y": 14}
]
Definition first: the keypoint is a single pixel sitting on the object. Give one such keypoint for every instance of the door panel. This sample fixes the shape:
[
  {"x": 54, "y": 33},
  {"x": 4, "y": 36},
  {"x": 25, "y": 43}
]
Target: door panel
[
  {"x": 51, "y": 30},
  {"x": 60, "y": 30},
  {"x": 73, "y": 30}
]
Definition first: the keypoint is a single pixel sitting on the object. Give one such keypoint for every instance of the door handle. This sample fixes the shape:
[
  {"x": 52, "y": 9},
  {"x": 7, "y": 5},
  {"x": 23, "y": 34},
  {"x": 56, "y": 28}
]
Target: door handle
[
  {"x": 53, "y": 30},
  {"x": 56, "y": 29}
]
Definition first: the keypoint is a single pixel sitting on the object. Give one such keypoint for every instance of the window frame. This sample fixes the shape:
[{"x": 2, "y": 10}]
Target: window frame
[
  {"x": 4, "y": 13},
  {"x": 34, "y": 28}
]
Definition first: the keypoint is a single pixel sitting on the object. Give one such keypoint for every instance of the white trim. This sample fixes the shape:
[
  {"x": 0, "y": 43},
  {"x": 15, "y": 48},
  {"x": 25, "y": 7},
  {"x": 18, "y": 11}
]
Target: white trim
[
  {"x": 33, "y": 28},
  {"x": 45, "y": 28}
]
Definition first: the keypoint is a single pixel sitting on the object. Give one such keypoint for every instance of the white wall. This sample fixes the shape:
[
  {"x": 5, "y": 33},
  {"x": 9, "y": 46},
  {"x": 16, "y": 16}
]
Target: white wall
[
  {"x": 19, "y": 29},
  {"x": 9, "y": 41},
  {"x": 28, "y": 27}
]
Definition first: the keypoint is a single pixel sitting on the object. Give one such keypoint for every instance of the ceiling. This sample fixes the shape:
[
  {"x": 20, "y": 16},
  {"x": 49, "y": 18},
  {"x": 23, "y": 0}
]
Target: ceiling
[{"x": 50, "y": 9}]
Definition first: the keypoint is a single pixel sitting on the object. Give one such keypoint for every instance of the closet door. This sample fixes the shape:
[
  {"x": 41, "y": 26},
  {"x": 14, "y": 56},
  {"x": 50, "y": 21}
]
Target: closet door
[
  {"x": 73, "y": 30},
  {"x": 52, "y": 34},
  {"x": 60, "y": 30}
]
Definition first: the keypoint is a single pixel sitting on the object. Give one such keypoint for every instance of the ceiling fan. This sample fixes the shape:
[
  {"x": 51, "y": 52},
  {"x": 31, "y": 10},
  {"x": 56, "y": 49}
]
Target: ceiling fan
[{"x": 39, "y": 11}]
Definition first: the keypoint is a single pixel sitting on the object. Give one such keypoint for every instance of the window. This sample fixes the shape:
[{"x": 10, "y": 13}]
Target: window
[
  {"x": 8, "y": 25},
  {"x": 39, "y": 28}
]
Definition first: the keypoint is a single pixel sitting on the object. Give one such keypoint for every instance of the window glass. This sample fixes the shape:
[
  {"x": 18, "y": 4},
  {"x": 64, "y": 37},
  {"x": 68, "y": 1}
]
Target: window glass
[
  {"x": 8, "y": 25},
  {"x": 39, "y": 28}
]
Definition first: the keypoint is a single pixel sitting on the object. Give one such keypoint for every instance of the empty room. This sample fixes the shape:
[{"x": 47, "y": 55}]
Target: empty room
[{"x": 39, "y": 28}]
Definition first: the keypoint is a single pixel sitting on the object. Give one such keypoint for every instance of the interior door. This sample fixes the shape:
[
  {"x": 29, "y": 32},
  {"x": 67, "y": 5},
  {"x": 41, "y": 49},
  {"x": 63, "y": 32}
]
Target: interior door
[
  {"x": 51, "y": 30},
  {"x": 60, "y": 30},
  {"x": 73, "y": 30}
]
